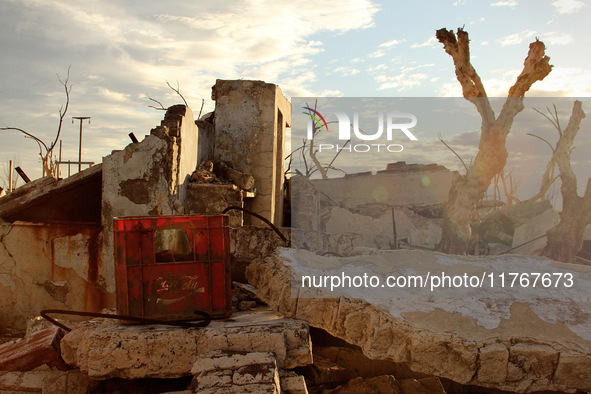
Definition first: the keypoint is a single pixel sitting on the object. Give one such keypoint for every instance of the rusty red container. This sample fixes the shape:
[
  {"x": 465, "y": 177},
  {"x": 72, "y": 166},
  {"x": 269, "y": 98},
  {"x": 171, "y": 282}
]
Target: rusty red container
[{"x": 169, "y": 266}]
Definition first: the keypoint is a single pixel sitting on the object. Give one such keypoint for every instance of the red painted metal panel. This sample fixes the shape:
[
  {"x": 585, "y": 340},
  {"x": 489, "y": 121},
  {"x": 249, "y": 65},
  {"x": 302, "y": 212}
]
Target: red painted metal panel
[{"x": 169, "y": 266}]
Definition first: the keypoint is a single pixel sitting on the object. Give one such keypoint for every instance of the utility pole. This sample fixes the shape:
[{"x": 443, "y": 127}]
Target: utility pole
[
  {"x": 81, "y": 118},
  {"x": 10, "y": 177}
]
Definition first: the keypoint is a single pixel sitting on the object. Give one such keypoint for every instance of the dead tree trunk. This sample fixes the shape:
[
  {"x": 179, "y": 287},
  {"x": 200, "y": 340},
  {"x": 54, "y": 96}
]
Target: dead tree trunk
[
  {"x": 565, "y": 240},
  {"x": 468, "y": 189}
]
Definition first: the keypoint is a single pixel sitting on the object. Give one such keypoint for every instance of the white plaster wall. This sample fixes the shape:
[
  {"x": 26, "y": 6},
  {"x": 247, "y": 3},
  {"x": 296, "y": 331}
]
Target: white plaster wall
[{"x": 188, "y": 152}]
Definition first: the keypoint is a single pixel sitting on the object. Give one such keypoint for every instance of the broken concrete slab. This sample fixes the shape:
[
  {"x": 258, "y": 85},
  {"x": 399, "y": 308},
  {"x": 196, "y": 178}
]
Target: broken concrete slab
[
  {"x": 458, "y": 338},
  {"x": 236, "y": 371},
  {"x": 158, "y": 351},
  {"x": 292, "y": 383},
  {"x": 46, "y": 382},
  {"x": 76, "y": 198},
  {"x": 36, "y": 349},
  {"x": 240, "y": 179},
  {"x": 524, "y": 238}
]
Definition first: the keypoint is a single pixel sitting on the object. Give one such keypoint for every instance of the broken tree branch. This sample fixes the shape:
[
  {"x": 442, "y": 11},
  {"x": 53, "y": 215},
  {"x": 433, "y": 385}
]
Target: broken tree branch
[
  {"x": 454, "y": 152},
  {"x": 177, "y": 91},
  {"x": 161, "y": 108}
]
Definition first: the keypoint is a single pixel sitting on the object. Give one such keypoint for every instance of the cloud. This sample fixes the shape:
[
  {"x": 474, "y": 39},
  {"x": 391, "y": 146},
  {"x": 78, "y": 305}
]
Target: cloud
[
  {"x": 331, "y": 93},
  {"x": 401, "y": 81},
  {"x": 516, "y": 38},
  {"x": 376, "y": 68},
  {"x": 347, "y": 70},
  {"x": 566, "y": 82},
  {"x": 431, "y": 42},
  {"x": 378, "y": 53},
  {"x": 557, "y": 38},
  {"x": 121, "y": 50},
  {"x": 508, "y": 3},
  {"x": 568, "y": 6},
  {"x": 391, "y": 43}
]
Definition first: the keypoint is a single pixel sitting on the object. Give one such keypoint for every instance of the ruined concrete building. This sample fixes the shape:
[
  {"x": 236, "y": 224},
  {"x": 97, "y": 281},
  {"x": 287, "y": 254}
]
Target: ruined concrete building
[
  {"x": 56, "y": 238},
  {"x": 57, "y": 252}
]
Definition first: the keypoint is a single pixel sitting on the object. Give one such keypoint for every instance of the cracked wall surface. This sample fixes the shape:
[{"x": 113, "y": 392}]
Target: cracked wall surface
[
  {"x": 149, "y": 177},
  {"x": 250, "y": 120},
  {"x": 48, "y": 267}
]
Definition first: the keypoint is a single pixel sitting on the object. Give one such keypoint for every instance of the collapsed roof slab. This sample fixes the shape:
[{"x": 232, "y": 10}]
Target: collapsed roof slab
[
  {"x": 105, "y": 350},
  {"x": 514, "y": 340},
  {"x": 73, "y": 199}
]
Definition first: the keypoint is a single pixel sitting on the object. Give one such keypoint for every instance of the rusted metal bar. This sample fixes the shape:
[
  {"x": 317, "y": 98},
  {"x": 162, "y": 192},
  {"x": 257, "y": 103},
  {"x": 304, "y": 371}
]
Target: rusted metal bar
[
  {"x": 22, "y": 174},
  {"x": 256, "y": 215},
  {"x": 178, "y": 323}
]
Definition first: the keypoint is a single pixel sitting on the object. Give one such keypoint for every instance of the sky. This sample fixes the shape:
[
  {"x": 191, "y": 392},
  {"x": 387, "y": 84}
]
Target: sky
[{"x": 121, "y": 52}]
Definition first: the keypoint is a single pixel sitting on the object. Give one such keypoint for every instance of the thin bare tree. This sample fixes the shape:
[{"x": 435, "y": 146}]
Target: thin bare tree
[
  {"x": 46, "y": 151},
  {"x": 565, "y": 239}
]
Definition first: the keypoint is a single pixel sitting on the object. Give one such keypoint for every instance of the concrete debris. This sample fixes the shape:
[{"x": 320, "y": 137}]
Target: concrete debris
[
  {"x": 236, "y": 372},
  {"x": 292, "y": 383},
  {"x": 526, "y": 239},
  {"x": 499, "y": 226},
  {"x": 254, "y": 372},
  {"x": 155, "y": 351},
  {"x": 356, "y": 364},
  {"x": 388, "y": 384},
  {"x": 38, "y": 348},
  {"x": 514, "y": 343},
  {"x": 222, "y": 174},
  {"x": 324, "y": 374},
  {"x": 46, "y": 382},
  {"x": 203, "y": 173},
  {"x": 212, "y": 198},
  {"x": 240, "y": 179}
]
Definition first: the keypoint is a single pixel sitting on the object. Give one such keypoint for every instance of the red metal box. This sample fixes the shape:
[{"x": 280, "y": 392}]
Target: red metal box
[{"x": 169, "y": 266}]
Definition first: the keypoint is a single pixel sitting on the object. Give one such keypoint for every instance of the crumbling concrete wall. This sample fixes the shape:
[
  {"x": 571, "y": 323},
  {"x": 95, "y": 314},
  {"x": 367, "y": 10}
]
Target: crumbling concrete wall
[
  {"x": 148, "y": 178},
  {"x": 397, "y": 185},
  {"x": 212, "y": 199},
  {"x": 250, "y": 121},
  {"x": 53, "y": 266}
]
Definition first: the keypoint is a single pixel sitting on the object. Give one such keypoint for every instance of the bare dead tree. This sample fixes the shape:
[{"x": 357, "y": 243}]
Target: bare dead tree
[
  {"x": 310, "y": 148},
  {"x": 46, "y": 151},
  {"x": 177, "y": 90},
  {"x": 468, "y": 189},
  {"x": 565, "y": 239}
]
